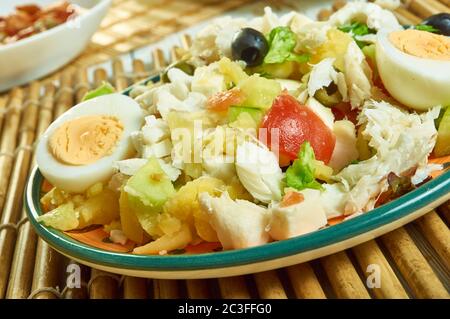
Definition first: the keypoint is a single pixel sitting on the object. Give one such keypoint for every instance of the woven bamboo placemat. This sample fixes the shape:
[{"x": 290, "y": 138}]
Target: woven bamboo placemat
[{"x": 414, "y": 261}]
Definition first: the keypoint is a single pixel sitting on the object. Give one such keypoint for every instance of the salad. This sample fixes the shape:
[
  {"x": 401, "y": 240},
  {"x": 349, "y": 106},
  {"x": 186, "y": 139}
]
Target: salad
[
  {"x": 266, "y": 129},
  {"x": 30, "y": 19}
]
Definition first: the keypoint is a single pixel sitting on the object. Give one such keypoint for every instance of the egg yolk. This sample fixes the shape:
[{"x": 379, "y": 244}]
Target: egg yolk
[
  {"x": 86, "y": 139},
  {"x": 422, "y": 44}
]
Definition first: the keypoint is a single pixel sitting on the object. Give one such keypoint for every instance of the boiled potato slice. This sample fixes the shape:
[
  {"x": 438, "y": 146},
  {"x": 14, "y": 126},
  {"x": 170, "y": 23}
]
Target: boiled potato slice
[
  {"x": 100, "y": 209},
  {"x": 166, "y": 243}
]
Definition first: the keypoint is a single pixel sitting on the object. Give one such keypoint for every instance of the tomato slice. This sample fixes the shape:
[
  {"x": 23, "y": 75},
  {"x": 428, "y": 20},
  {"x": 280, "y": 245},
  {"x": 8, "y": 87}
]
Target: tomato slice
[{"x": 296, "y": 124}]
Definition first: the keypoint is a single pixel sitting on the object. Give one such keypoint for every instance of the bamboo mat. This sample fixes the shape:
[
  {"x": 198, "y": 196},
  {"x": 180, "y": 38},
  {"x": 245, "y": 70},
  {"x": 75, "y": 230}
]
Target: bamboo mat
[
  {"x": 414, "y": 260},
  {"x": 131, "y": 24}
]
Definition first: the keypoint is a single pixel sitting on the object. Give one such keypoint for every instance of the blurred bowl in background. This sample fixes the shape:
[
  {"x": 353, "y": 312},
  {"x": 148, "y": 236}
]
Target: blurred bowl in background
[{"x": 43, "y": 53}]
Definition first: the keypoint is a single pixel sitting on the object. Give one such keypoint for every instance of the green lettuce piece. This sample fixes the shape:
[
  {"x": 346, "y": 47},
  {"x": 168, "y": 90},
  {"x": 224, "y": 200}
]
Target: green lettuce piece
[
  {"x": 300, "y": 174},
  {"x": 282, "y": 42},
  {"x": 424, "y": 27},
  {"x": 235, "y": 111},
  {"x": 104, "y": 89},
  {"x": 355, "y": 29}
]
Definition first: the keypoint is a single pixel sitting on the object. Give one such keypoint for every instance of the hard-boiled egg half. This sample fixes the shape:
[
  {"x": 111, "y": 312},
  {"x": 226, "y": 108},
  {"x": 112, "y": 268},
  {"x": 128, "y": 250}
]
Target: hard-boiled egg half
[
  {"x": 79, "y": 148},
  {"x": 415, "y": 67}
]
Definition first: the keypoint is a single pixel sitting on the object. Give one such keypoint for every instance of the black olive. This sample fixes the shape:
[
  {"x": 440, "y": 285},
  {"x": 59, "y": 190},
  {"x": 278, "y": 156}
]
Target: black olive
[
  {"x": 250, "y": 46},
  {"x": 440, "y": 21}
]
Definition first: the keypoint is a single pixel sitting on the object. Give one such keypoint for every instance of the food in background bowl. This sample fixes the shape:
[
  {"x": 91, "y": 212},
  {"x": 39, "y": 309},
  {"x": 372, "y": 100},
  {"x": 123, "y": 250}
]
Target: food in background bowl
[
  {"x": 42, "y": 53},
  {"x": 30, "y": 19},
  {"x": 266, "y": 130}
]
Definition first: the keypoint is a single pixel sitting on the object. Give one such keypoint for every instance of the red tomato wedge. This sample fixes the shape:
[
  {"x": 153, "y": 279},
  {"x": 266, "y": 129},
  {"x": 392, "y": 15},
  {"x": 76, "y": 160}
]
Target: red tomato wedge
[{"x": 296, "y": 124}]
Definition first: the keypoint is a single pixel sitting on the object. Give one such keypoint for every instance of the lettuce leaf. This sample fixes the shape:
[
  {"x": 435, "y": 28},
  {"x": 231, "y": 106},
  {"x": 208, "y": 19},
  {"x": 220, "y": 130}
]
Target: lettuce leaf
[
  {"x": 355, "y": 29},
  {"x": 104, "y": 89},
  {"x": 282, "y": 42},
  {"x": 300, "y": 174},
  {"x": 422, "y": 27}
]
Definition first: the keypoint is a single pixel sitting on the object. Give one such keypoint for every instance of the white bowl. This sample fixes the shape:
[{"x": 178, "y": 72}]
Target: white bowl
[{"x": 43, "y": 53}]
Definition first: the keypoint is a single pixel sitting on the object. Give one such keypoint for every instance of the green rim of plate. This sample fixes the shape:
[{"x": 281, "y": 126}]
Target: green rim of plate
[{"x": 419, "y": 198}]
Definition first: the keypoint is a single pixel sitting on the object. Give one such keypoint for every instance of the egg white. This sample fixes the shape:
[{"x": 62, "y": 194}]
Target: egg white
[
  {"x": 418, "y": 83},
  {"x": 78, "y": 178}
]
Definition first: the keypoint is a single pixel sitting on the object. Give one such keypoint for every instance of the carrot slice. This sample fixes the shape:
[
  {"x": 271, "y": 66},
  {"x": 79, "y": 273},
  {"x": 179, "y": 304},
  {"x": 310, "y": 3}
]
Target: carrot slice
[
  {"x": 221, "y": 101},
  {"x": 46, "y": 186},
  {"x": 336, "y": 220},
  {"x": 292, "y": 198},
  {"x": 100, "y": 239}
]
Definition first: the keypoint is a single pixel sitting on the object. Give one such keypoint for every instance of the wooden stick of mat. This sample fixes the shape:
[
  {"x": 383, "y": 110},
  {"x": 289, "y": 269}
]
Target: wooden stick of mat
[
  {"x": 135, "y": 288},
  {"x": 174, "y": 53},
  {"x": 138, "y": 71},
  {"x": 159, "y": 61},
  {"x": 445, "y": 2},
  {"x": 445, "y": 211},
  {"x": 165, "y": 289},
  {"x": 421, "y": 8},
  {"x": 186, "y": 41},
  {"x": 370, "y": 254},
  {"x": 437, "y": 234},
  {"x": 81, "y": 84},
  {"x": 46, "y": 272},
  {"x": 343, "y": 277},
  {"x": 48, "y": 262},
  {"x": 304, "y": 282},
  {"x": 7, "y": 156},
  {"x": 439, "y": 6},
  {"x": 413, "y": 266},
  {"x": 9, "y": 140},
  {"x": 103, "y": 285},
  {"x": 269, "y": 285},
  {"x": 3, "y": 103},
  {"x": 25, "y": 251},
  {"x": 21, "y": 273},
  {"x": 338, "y": 4},
  {"x": 64, "y": 96},
  {"x": 198, "y": 289},
  {"x": 13, "y": 204},
  {"x": 120, "y": 80},
  {"x": 100, "y": 75},
  {"x": 233, "y": 288},
  {"x": 406, "y": 17}
]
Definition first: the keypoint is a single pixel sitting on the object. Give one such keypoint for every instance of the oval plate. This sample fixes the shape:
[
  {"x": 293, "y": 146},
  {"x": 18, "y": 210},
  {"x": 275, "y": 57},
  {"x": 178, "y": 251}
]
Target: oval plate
[{"x": 244, "y": 261}]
